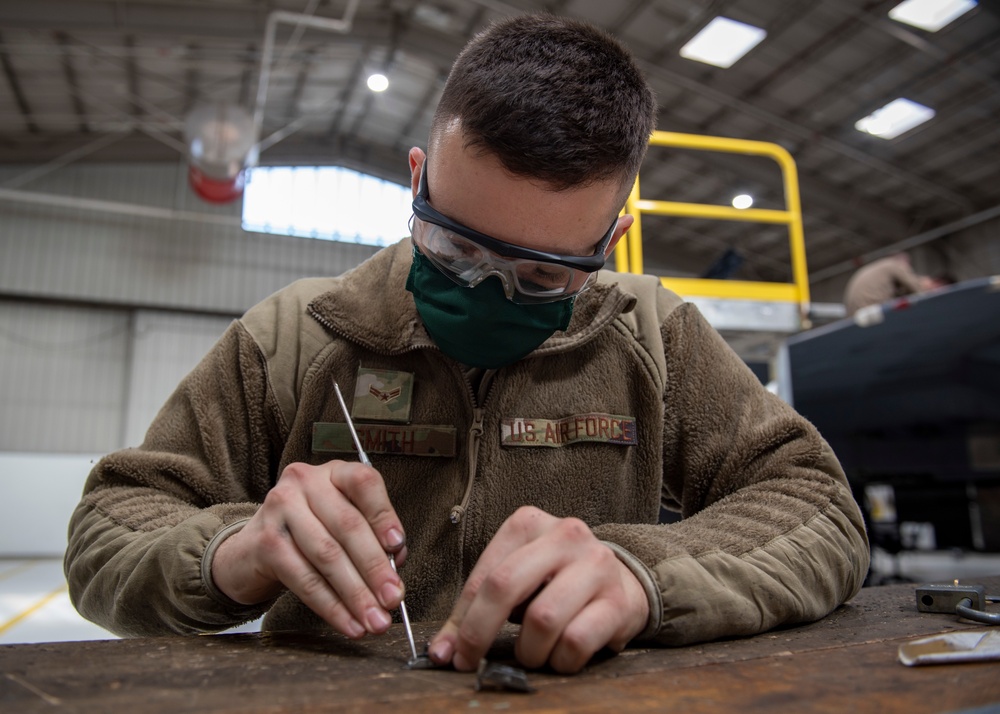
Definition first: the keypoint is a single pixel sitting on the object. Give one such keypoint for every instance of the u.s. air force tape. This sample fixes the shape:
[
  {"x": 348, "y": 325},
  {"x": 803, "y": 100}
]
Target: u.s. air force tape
[
  {"x": 405, "y": 440},
  {"x": 603, "y": 428}
]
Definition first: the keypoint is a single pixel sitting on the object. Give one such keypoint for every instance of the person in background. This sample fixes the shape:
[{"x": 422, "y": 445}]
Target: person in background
[
  {"x": 885, "y": 279},
  {"x": 526, "y": 415}
]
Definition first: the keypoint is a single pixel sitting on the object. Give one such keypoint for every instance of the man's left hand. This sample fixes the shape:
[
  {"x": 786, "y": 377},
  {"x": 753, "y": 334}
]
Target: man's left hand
[{"x": 582, "y": 598}]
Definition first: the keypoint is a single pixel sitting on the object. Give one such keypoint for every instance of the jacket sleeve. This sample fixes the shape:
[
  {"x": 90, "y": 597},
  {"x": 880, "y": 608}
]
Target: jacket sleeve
[
  {"x": 770, "y": 534},
  {"x": 138, "y": 538}
]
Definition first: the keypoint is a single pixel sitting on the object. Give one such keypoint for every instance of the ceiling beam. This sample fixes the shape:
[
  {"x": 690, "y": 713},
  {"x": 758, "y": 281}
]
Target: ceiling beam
[
  {"x": 69, "y": 73},
  {"x": 15, "y": 88}
]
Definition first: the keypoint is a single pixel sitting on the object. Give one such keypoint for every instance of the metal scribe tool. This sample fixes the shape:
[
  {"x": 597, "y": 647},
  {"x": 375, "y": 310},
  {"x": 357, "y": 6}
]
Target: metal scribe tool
[
  {"x": 350, "y": 425},
  {"x": 392, "y": 558},
  {"x": 406, "y": 617}
]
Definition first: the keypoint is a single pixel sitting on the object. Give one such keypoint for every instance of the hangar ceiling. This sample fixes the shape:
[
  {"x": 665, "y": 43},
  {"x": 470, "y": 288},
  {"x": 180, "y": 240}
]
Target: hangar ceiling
[{"x": 112, "y": 80}]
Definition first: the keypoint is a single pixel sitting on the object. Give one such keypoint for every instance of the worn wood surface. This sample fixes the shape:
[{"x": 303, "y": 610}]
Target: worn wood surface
[{"x": 846, "y": 662}]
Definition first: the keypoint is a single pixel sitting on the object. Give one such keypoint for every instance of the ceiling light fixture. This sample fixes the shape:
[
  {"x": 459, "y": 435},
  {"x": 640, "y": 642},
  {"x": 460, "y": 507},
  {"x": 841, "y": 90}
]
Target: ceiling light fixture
[
  {"x": 743, "y": 201},
  {"x": 722, "y": 42},
  {"x": 895, "y": 118},
  {"x": 378, "y": 83},
  {"x": 930, "y": 15}
]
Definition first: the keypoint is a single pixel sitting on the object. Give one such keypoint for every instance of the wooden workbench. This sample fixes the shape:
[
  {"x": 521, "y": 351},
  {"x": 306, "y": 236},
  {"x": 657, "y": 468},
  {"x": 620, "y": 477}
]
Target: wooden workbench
[{"x": 844, "y": 663}]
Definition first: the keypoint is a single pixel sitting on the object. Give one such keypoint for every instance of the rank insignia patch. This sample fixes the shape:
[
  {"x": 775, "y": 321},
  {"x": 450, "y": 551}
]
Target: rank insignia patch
[{"x": 382, "y": 395}]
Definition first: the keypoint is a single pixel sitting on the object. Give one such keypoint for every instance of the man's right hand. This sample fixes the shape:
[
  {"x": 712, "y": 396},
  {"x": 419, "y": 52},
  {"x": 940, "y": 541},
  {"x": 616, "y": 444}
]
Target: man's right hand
[{"x": 323, "y": 532}]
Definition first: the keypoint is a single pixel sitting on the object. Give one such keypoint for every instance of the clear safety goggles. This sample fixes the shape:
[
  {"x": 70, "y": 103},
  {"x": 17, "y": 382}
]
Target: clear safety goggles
[{"x": 468, "y": 257}]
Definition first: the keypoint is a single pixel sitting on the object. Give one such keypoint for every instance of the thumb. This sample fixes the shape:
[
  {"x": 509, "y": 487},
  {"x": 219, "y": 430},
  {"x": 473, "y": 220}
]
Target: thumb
[{"x": 442, "y": 646}]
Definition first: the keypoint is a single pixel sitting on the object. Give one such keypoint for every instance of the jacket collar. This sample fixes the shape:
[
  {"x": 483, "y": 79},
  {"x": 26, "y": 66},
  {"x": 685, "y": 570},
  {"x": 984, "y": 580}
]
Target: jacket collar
[{"x": 370, "y": 305}]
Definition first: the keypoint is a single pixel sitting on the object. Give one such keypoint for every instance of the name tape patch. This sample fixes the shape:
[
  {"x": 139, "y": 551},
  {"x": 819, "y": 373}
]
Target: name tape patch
[
  {"x": 404, "y": 440},
  {"x": 603, "y": 428}
]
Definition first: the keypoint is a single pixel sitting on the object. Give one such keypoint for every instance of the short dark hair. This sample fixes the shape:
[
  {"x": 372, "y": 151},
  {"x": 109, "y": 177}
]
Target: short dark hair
[{"x": 552, "y": 98}]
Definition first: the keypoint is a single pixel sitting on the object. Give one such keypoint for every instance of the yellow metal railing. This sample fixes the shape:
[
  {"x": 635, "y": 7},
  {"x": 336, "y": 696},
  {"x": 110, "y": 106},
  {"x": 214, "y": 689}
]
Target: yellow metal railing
[{"x": 628, "y": 254}]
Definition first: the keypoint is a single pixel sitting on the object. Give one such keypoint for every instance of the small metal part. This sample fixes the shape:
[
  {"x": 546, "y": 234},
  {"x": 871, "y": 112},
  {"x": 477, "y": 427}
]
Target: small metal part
[
  {"x": 423, "y": 661},
  {"x": 966, "y": 601},
  {"x": 945, "y": 598},
  {"x": 492, "y": 675}
]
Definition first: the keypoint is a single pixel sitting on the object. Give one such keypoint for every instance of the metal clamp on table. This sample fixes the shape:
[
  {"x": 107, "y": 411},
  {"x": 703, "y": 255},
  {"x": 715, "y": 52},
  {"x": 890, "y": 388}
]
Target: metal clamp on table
[{"x": 968, "y": 601}]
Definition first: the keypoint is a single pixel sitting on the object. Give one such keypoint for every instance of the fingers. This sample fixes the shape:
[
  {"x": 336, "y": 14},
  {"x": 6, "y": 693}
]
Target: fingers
[
  {"x": 332, "y": 575},
  {"x": 576, "y": 614},
  {"x": 580, "y": 597},
  {"x": 364, "y": 488},
  {"x": 346, "y": 540},
  {"x": 548, "y": 617},
  {"x": 361, "y": 486},
  {"x": 593, "y": 628},
  {"x": 496, "y": 585},
  {"x": 513, "y": 581},
  {"x": 257, "y": 562},
  {"x": 323, "y": 532},
  {"x": 343, "y": 544},
  {"x": 294, "y": 569}
]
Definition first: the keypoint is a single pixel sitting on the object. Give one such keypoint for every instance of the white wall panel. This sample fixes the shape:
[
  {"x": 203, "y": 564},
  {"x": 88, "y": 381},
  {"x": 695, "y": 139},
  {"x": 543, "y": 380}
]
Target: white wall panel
[
  {"x": 165, "y": 348},
  {"x": 40, "y": 492},
  {"x": 76, "y": 383},
  {"x": 61, "y": 378}
]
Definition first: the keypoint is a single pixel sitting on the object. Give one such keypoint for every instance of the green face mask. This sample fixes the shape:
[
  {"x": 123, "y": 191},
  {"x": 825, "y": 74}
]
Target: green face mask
[{"x": 479, "y": 326}]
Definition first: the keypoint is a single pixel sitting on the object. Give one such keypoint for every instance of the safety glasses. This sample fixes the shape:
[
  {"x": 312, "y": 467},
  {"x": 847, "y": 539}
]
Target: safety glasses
[{"x": 468, "y": 257}]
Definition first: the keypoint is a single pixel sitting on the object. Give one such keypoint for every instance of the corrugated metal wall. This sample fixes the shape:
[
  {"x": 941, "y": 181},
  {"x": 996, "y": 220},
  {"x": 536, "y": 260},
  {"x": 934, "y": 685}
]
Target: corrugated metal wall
[
  {"x": 102, "y": 312},
  {"x": 54, "y": 251},
  {"x": 63, "y": 377},
  {"x": 164, "y": 347}
]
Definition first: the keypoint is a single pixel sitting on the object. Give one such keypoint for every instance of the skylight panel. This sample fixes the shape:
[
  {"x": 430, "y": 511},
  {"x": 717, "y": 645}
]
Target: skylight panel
[
  {"x": 327, "y": 203},
  {"x": 722, "y": 42},
  {"x": 930, "y": 15},
  {"x": 895, "y": 118}
]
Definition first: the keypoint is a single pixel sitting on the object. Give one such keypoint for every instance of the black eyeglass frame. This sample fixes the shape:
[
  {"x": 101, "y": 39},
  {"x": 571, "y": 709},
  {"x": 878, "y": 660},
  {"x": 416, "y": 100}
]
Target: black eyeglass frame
[{"x": 588, "y": 263}]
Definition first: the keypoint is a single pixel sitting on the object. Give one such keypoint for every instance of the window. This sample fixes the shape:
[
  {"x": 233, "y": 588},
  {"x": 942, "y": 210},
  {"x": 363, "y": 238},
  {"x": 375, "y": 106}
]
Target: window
[
  {"x": 930, "y": 15},
  {"x": 325, "y": 202},
  {"x": 722, "y": 42},
  {"x": 895, "y": 118}
]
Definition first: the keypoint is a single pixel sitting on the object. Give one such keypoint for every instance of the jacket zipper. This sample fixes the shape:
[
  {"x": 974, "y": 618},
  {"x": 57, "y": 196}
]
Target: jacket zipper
[
  {"x": 475, "y": 432},
  {"x": 457, "y": 514}
]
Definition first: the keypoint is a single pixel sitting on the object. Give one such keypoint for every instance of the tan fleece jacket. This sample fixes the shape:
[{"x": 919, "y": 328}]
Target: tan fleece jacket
[{"x": 770, "y": 534}]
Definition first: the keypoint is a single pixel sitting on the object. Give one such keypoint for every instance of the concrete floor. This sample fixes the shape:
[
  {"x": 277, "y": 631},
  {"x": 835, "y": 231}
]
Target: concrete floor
[{"x": 35, "y": 606}]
